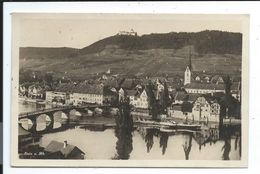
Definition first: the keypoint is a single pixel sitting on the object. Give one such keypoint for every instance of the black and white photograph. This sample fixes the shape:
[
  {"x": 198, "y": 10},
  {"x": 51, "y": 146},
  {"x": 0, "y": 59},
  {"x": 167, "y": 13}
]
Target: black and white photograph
[{"x": 132, "y": 90}]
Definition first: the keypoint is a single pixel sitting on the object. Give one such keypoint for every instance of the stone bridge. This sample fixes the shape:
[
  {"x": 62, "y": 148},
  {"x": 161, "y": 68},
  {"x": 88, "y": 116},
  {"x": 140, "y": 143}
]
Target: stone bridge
[{"x": 33, "y": 116}]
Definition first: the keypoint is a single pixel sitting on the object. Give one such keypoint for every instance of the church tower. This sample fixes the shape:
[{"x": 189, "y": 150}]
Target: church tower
[{"x": 187, "y": 74}]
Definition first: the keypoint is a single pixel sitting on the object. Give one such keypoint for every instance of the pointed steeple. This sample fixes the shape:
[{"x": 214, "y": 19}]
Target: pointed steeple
[
  {"x": 190, "y": 64},
  {"x": 187, "y": 74}
]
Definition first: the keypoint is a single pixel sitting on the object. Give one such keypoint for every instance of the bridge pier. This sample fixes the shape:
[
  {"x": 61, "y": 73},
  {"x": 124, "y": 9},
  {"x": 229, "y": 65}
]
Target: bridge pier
[
  {"x": 50, "y": 126},
  {"x": 34, "y": 124},
  {"x": 67, "y": 112},
  {"x": 50, "y": 112}
]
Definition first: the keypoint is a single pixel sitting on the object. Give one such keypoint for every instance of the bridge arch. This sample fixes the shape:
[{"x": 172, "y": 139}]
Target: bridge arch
[
  {"x": 42, "y": 122},
  {"x": 75, "y": 115},
  {"x": 60, "y": 118},
  {"x": 26, "y": 123}
]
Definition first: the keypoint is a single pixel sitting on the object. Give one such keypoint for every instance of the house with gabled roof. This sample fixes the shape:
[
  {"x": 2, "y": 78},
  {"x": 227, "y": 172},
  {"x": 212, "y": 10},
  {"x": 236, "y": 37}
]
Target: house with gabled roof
[
  {"x": 129, "y": 84},
  {"x": 61, "y": 94},
  {"x": 138, "y": 98},
  {"x": 36, "y": 91},
  {"x": 206, "y": 108},
  {"x": 59, "y": 150},
  {"x": 204, "y": 88},
  {"x": 87, "y": 93},
  {"x": 217, "y": 79}
]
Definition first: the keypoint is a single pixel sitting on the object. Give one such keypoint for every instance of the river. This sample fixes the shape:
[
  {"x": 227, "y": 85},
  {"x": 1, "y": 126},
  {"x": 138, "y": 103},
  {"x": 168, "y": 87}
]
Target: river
[{"x": 149, "y": 143}]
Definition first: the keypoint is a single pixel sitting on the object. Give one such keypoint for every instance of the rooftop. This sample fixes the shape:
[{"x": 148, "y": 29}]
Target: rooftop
[
  {"x": 55, "y": 146},
  {"x": 211, "y": 86}
]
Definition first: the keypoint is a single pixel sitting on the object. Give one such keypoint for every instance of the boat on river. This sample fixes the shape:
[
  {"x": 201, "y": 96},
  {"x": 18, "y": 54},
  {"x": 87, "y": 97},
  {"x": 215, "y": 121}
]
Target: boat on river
[
  {"x": 169, "y": 124},
  {"x": 167, "y": 130}
]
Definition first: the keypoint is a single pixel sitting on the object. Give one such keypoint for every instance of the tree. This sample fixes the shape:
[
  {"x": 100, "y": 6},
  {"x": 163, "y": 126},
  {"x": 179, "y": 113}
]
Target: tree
[
  {"x": 48, "y": 78},
  {"x": 163, "y": 141},
  {"x": 187, "y": 146},
  {"x": 165, "y": 98},
  {"x": 123, "y": 131},
  {"x": 153, "y": 103},
  {"x": 228, "y": 83}
]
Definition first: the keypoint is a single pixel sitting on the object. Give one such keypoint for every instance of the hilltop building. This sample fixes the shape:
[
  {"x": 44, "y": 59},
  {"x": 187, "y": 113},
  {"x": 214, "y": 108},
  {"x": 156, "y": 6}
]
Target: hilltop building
[{"x": 127, "y": 33}]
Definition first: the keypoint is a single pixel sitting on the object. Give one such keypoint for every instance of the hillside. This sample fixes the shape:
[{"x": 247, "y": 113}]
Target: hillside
[{"x": 153, "y": 54}]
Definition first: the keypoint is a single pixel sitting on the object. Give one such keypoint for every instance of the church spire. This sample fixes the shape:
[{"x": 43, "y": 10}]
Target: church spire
[
  {"x": 187, "y": 74},
  {"x": 190, "y": 64}
]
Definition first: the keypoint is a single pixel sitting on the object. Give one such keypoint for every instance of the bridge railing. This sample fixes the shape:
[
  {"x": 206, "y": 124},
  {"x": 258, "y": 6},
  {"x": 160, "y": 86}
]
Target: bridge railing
[
  {"x": 46, "y": 110},
  {"x": 60, "y": 109}
]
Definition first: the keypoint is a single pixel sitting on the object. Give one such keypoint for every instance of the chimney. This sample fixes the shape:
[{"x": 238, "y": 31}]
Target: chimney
[{"x": 65, "y": 144}]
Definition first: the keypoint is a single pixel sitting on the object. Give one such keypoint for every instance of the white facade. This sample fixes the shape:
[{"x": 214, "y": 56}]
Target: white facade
[
  {"x": 141, "y": 101},
  {"x": 203, "y": 91},
  {"x": 35, "y": 92},
  {"x": 22, "y": 89},
  {"x": 79, "y": 98},
  {"x": 187, "y": 76},
  {"x": 50, "y": 95},
  {"x": 121, "y": 94},
  {"x": 197, "y": 78},
  {"x": 204, "y": 111}
]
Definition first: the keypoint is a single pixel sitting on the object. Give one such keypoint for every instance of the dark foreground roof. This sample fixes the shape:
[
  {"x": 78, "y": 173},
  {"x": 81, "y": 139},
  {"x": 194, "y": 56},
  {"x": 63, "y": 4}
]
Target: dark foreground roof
[{"x": 55, "y": 146}]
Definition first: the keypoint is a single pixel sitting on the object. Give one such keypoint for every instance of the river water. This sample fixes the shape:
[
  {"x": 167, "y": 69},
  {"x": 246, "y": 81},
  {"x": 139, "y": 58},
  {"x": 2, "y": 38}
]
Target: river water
[{"x": 149, "y": 143}]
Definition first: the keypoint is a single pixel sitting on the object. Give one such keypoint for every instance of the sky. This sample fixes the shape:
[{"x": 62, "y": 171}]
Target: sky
[{"x": 81, "y": 30}]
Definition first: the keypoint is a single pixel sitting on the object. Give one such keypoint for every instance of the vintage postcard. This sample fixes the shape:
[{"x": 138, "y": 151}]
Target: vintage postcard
[{"x": 129, "y": 90}]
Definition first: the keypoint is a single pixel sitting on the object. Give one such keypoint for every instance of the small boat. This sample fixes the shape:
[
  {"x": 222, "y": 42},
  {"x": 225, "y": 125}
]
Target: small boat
[
  {"x": 167, "y": 130},
  {"x": 186, "y": 130},
  {"x": 168, "y": 123}
]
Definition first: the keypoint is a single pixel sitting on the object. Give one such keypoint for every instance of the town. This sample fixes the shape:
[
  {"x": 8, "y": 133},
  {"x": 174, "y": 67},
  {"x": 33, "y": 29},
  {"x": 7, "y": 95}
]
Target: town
[
  {"x": 194, "y": 96},
  {"x": 192, "y": 103}
]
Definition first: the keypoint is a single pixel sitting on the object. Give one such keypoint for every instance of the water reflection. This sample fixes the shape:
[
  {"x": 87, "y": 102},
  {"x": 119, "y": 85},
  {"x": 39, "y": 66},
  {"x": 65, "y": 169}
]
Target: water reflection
[
  {"x": 123, "y": 131},
  {"x": 187, "y": 146},
  {"x": 238, "y": 143},
  {"x": 226, "y": 133},
  {"x": 210, "y": 137},
  {"x": 149, "y": 139},
  {"x": 213, "y": 142},
  {"x": 163, "y": 141}
]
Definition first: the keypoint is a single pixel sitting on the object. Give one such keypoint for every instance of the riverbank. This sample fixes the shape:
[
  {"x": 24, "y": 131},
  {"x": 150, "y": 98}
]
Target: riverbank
[{"x": 30, "y": 100}]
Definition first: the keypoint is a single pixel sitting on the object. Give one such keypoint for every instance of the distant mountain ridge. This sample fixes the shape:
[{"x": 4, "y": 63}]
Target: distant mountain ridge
[
  {"x": 164, "y": 53},
  {"x": 216, "y": 42}
]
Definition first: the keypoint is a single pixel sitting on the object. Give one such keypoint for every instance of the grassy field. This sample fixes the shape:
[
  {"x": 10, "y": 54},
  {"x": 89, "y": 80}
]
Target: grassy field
[
  {"x": 152, "y": 55},
  {"x": 147, "y": 62}
]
